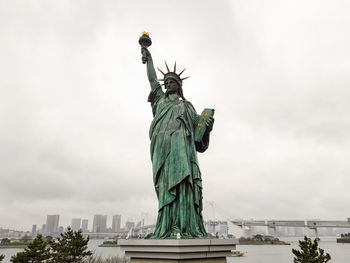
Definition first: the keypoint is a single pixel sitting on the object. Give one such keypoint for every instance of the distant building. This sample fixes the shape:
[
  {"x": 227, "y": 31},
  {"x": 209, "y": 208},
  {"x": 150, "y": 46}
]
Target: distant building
[
  {"x": 129, "y": 225},
  {"x": 60, "y": 230},
  {"x": 52, "y": 224},
  {"x": 84, "y": 225},
  {"x": 34, "y": 231},
  {"x": 99, "y": 224},
  {"x": 223, "y": 229},
  {"x": 116, "y": 221},
  {"x": 210, "y": 227},
  {"x": 139, "y": 224},
  {"x": 217, "y": 228},
  {"x": 76, "y": 223},
  {"x": 43, "y": 229}
]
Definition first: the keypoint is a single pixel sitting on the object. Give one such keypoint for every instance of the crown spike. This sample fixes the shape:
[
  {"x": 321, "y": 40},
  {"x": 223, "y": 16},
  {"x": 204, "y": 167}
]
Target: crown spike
[
  {"x": 185, "y": 78},
  {"x": 181, "y": 72},
  {"x": 166, "y": 66},
  {"x": 175, "y": 67},
  {"x": 161, "y": 71}
]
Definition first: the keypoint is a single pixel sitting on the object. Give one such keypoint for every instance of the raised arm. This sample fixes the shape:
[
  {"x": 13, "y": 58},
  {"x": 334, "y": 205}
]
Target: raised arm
[{"x": 151, "y": 73}]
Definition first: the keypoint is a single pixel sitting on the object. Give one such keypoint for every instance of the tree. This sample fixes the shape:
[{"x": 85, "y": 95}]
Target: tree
[
  {"x": 5, "y": 241},
  {"x": 1, "y": 257},
  {"x": 70, "y": 247},
  {"x": 310, "y": 252},
  {"x": 258, "y": 237},
  {"x": 37, "y": 251}
]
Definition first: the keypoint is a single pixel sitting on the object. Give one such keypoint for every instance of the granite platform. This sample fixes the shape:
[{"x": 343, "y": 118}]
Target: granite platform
[{"x": 177, "y": 250}]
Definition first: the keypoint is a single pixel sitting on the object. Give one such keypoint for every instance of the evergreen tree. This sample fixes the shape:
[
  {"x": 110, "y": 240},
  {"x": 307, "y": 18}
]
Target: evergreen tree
[
  {"x": 5, "y": 241},
  {"x": 310, "y": 252},
  {"x": 1, "y": 257},
  {"x": 70, "y": 247},
  {"x": 37, "y": 251}
]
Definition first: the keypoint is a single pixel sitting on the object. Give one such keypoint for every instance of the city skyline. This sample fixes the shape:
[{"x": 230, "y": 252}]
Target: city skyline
[
  {"x": 112, "y": 223},
  {"x": 75, "y": 118},
  {"x": 221, "y": 228},
  {"x": 112, "y": 220}
]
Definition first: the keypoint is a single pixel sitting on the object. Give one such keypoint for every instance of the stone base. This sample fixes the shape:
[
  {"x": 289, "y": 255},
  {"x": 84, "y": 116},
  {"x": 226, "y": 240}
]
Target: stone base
[{"x": 177, "y": 250}]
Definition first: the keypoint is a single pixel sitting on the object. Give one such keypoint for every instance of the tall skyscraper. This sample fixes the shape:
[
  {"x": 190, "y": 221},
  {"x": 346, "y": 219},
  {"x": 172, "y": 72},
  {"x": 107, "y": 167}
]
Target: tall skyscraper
[
  {"x": 99, "y": 224},
  {"x": 76, "y": 222},
  {"x": 52, "y": 224},
  {"x": 34, "y": 231},
  {"x": 84, "y": 225},
  {"x": 116, "y": 223}
]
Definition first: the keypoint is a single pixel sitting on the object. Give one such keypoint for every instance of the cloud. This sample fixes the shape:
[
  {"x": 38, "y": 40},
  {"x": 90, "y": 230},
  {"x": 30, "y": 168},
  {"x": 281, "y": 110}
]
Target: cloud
[{"x": 74, "y": 117}]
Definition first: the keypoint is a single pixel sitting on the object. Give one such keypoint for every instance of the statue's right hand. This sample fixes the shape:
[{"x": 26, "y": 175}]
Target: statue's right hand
[
  {"x": 145, "y": 52},
  {"x": 145, "y": 55}
]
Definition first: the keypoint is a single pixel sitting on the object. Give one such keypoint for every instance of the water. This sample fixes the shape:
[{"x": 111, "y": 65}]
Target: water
[
  {"x": 253, "y": 253},
  {"x": 8, "y": 252},
  {"x": 104, "y": 252},
  {"x": 340, "y": 253}
]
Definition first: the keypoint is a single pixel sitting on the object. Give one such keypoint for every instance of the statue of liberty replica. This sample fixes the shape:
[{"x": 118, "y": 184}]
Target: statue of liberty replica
[{"x": 177, "y": 133}]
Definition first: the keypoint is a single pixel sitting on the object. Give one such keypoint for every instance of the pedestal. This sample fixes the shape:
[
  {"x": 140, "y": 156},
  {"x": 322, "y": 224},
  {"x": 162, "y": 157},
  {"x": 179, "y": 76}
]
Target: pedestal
[{"x": 177, "y": 250}]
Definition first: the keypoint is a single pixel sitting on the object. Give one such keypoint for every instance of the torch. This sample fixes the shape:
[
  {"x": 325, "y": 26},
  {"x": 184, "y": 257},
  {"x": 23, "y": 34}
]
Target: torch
[{"x": 145, "y": 41}]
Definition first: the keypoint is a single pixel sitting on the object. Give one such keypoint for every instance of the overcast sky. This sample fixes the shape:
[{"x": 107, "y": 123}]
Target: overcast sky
[{"x": 74, "y": 115}]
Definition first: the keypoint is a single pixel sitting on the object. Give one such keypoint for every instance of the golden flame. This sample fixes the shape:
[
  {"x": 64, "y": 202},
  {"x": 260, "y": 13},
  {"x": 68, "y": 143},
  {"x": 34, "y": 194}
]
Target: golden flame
[{"x": 145, "y": 34}]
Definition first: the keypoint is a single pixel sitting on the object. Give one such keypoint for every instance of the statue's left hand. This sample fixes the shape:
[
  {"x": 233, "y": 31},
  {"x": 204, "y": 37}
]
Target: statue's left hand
[{"x": 209, "y": 123}]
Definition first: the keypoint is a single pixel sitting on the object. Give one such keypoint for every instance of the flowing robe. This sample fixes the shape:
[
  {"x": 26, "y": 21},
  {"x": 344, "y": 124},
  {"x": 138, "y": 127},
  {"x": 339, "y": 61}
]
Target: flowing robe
[{"x": 176, "y": 174}]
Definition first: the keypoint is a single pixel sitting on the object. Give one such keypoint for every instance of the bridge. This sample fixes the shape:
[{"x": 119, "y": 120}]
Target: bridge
[
  {"x": 214, "y": 211},
  {"x": 273, "y": 224},
  {"x": 293, "y": 223},
  {"x": 237, "y": 226}
]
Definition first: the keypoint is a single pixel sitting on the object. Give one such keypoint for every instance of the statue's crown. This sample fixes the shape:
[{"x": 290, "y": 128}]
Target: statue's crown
[{"x": 172, "y": 74}]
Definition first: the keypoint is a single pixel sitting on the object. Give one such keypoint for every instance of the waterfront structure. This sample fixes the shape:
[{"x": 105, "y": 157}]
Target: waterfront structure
[
  {"x": 210, "y": 228},
  {"x": 217, "y": 228},
  {"x": 84, "y": 225},
  {"x": 99, "y": 223},
  {"x": 345, "y": 238},
  {"x": 34, "y": 232},
  {"x": 11, "y": 233},
  {"x": 223, "y": 229},
  {"x": 116, "y": 221},
  {"x": 129, "y": 225},
  {"x": 76, "y": 224},
  {"x": 52, "y": 224},
  {"x": 140, "y": 223},
  {"x": 273, "y": 226}
]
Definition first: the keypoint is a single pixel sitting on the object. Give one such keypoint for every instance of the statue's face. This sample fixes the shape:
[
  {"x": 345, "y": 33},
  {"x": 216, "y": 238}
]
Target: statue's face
[{"x": 171, "y": 85}]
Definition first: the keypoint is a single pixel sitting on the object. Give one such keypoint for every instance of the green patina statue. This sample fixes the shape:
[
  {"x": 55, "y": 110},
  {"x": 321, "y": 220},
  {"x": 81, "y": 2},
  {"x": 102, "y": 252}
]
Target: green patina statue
[{"x": 176, "y": 174}]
